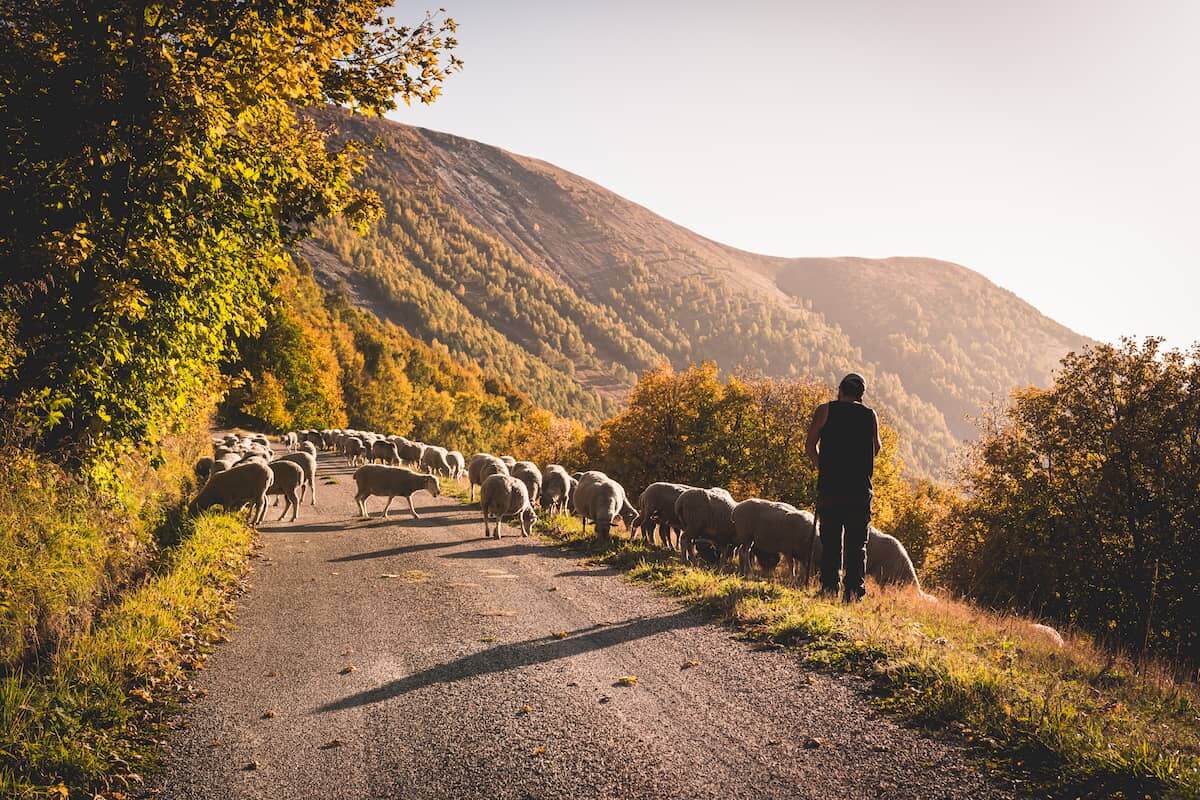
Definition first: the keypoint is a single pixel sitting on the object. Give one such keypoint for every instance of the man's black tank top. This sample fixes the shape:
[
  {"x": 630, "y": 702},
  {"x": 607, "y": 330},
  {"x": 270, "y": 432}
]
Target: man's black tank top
[{"x": 847, "y": 453}]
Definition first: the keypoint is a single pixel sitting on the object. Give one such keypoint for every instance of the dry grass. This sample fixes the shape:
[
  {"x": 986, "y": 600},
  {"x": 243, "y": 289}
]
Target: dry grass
[{"x": 1079, "y": 720}]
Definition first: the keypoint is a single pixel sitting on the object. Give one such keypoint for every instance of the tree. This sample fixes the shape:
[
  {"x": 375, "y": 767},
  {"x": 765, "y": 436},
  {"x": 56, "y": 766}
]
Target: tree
[{"x": 156, "y": 163}]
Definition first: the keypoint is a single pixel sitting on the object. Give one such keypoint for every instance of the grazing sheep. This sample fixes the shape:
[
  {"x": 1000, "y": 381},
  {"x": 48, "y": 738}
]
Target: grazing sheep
[
  {"x": 601, "y": 499},
  {"x": 384, "y": 452},
  {"x": 767, "y": 530},
  {"x": 244, "y": 484},
  {"x": 308, "y": 463},
  {"x": 286, "y": 478},
  {"x": 435, "y": 460},
  {"x": 391, "y": 482},
  {"x": 528, "y": 473},
  {"x": 411, "y": 452},
  {"x": 503, "y": 496},
  {"x": 203, "y": 467},
  {"x": 458, "y": 464},
  {"x": 888, "y": 563},
  {"x": 1049, "y": 634},
  {"x": 658, "y": 509},
  {"x": 483, "y": 466},
  {"x": 509, "y": 462},
  {"x": 557, "y": 487},
  {"x": 706, "y": 514}
]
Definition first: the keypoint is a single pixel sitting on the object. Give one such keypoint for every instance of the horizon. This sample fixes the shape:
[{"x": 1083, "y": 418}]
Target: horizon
[{"x": 1021, "y": 189}]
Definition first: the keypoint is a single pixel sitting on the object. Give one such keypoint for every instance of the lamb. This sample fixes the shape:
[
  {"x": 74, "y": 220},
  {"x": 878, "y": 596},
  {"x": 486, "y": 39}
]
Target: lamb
[
  {"x": 601, "y": 499},
  {"x": 502, "y": 496},
  {"x": 287, "y": 477},
  {"x": 483, "y": 466},
  {"x": 384, "y": 452},
  {"x": 766, "y": 530},
  {"x": 391, "y": 482},
  {"x": 434, "y": 459},
  {"x": 658, "y": 509},
  {"x": 244, "y": 484},
  {"x": 308, "y": 463},
  {"x": 706, "y": 514},
  {"x": 528, "y": 473},
  {"x": 458, "y": 464},
  {"x": 557, "y": 488}
]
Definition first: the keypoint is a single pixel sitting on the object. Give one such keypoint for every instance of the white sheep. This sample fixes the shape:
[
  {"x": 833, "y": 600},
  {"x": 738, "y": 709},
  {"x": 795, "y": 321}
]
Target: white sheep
[
  {"x": 356, "y": 452},
  {"x": 657, "y": 505},
  {"x": 308, "y": 463},
  {"x": 765, "y": 529},
  {"x": 458, "y": 464},
  {"x": 482, "y": 467},
  {"x": 509, "y": 461},
  {"x": 391, "y": 482},
  {"x": 528, "y": 473},
  {"x": 503, "y": 496},
  {"x": 706, "y": 514},
  {"x": 286, "y": 478},
  {"x": 557, "y": 488},
  {"x": 384, "y": 452},
  {"x": 411, "y": 452},
  {"x": 238, "y": 486},
  {"x": 435, "y": 460},
  {"x": 602, "y": 500}
]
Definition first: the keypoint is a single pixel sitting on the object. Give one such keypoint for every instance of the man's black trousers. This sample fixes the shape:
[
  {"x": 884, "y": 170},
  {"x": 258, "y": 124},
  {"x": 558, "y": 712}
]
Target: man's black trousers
[{"x": 843, "y": 529}]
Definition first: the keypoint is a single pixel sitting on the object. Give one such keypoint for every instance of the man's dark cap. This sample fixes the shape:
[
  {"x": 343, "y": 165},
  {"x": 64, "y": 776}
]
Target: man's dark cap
[{"x": 853, "y": 384}]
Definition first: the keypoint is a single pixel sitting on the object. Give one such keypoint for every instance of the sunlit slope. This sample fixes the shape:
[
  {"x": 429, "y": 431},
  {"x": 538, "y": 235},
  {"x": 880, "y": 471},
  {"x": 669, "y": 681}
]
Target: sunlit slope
[{"x": 569, "y": 290}]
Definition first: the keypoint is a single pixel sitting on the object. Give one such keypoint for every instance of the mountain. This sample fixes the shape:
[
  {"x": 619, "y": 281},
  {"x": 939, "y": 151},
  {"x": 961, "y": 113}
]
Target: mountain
[{"x": 568, "y": 291}]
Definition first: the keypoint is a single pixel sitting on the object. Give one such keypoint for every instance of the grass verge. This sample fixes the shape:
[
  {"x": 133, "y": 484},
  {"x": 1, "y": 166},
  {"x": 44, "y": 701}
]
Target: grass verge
[
  {"x": 88, "y": 718},
  {"x": 1079, "y": 720}
]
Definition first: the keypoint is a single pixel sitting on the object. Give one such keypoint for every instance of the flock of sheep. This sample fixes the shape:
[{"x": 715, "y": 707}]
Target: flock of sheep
[{"x": 704, "y": 523}]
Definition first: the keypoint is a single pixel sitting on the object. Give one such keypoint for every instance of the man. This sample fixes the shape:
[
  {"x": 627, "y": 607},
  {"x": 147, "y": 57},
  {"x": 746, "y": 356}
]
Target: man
[{"x": 843, "y": 440}]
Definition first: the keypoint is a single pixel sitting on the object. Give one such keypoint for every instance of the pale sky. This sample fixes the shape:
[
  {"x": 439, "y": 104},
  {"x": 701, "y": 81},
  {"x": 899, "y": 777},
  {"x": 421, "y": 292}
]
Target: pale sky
[{"x": 1053, "y": 146}]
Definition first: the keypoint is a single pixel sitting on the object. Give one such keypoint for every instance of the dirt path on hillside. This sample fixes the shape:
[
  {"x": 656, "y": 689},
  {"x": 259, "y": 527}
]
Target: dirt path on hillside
[{"x": 484, "y": 669}]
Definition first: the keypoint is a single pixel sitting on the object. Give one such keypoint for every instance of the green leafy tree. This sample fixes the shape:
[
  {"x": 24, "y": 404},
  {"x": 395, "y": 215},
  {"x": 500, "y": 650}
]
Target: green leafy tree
[{"x": 156, "y": 164}]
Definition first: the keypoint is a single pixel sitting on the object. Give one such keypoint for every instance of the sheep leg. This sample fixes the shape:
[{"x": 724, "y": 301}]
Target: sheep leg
[
  {"x": 362, "y": 506},
  {"x": 388, "y": 505},
  {"x": 410, "y": 507}
]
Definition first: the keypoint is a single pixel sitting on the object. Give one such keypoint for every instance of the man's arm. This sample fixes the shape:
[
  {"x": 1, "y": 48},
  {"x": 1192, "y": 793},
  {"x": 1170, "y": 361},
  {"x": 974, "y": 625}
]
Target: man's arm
[
  {"x": 814, "y": 432},
  {"x": 878, "y": 441}
]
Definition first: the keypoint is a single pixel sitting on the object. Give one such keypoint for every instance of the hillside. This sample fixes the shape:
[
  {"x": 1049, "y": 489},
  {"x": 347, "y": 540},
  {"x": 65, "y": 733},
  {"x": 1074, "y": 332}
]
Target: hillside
[{"x": 568, "y": 291}]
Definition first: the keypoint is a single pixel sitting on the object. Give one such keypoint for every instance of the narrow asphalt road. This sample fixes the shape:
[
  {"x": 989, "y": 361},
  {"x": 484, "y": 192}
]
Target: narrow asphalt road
[{"x": 406, "y": 658}]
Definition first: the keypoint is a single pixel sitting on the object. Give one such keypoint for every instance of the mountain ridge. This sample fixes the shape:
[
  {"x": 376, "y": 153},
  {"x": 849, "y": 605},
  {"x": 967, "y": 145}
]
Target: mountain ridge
[{"x": 571, "y": 290}]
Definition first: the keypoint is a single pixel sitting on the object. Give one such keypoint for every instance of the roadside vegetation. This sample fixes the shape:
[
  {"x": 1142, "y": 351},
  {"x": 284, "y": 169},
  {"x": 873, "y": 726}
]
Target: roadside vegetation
[{"x": 1078, "y": 720}]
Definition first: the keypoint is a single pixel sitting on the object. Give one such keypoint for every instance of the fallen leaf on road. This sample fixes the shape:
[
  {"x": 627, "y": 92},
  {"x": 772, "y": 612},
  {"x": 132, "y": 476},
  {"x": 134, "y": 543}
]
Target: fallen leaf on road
[
  {"x": 691, "y": 662},
  {"x": 626, "y": 680},
  {"x": 537, "y": 751},
  {"x": 347, "y": 651},
  {"x": 214, "y": 742},
  {"x": 143, "y": 695},
  {"x": 462, "y": 585},
  {"x": 487, "y": 638},
  {"x": 498, "y": 613},
  {"x": 525, "y": 710},
  {"x": 346, "y": 670},
  {"x": 252, "y": 765},
  {"x": 552, "y": 589},
  {"x": 812, "y": 743},
  {"x": 389, "y": 575},
  {"x": 268, "y": 714},
  {"x": 335, "y": 573},
  {"x": 560, "y": 634},
  {"x": 271, "y": 674},
  {"x": 605, "y": 698},
  {"x": 332, "y": 743}
]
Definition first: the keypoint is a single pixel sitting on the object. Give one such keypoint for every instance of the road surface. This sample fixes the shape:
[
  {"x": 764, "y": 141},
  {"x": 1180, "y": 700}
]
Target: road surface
[{"x": 413, "y": 659}]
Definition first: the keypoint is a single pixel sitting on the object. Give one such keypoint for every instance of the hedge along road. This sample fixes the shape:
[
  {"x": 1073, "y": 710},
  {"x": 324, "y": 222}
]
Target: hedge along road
[{"x": 406, "y": 658}]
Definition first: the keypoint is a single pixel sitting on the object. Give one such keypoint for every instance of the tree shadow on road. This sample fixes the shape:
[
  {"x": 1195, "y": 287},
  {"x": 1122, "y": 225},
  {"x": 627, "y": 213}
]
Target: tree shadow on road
[
  {"x": 394, "y": 551},
  {"x": 505, "y": 657},
  {"x": 501, "y": 551}
]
